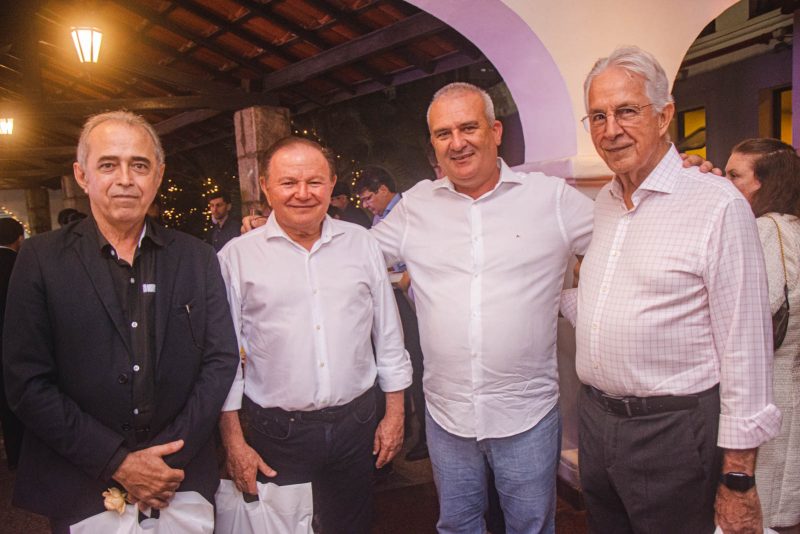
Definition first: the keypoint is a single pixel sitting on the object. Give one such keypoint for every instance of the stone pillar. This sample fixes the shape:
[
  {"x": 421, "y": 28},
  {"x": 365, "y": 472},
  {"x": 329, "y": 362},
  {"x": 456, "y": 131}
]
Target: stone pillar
[
  {"x": 74, "y": 197},
  {"x": 38, "y": 203},
  {"x": 257, "y": 128}
]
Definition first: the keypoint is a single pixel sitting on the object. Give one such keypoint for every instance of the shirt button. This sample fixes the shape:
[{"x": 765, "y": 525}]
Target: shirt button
[
  {"x": 474, "y": 275},
  {"x": 596, "y": 365},
  {"x": 322, "y": 364},
  {"x": 113, "y": 253},
  {"x": 317, "y": 327},
  {"x": 136, "y": 368},
  {"x": 614, "y": 253},
  {"x": 134, "y": 324},
  {"x": 126, "y": 427},
  {"x": 595, "y": 326},
  {"x": 122, "y": 378},
  {"x": 133, "y": 280},
  {"x": 136, "y": 411},
  {"x": 604, "y": 289},
  {"x": 314, "y": 292}
]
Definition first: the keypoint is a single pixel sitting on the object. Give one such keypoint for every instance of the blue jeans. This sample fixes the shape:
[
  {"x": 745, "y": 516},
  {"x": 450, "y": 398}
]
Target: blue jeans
[{"x": 524, "y": 469}]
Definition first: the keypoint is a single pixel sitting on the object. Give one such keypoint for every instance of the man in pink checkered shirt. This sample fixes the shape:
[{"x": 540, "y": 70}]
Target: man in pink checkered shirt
[{"x": 674, "y": 344}]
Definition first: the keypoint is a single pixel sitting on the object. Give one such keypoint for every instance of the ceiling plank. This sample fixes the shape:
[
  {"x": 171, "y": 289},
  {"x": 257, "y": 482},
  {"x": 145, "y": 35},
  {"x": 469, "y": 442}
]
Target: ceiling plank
[{"x": 389, "y": 37}]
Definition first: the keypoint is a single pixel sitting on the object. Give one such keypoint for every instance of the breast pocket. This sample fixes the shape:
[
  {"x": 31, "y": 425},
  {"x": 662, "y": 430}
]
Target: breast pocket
[{"x": 190, "y": 315}]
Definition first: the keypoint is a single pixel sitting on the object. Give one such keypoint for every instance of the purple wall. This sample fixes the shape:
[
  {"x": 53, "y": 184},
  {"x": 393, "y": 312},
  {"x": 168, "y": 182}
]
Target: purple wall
[{"x": 730, "y": 96}]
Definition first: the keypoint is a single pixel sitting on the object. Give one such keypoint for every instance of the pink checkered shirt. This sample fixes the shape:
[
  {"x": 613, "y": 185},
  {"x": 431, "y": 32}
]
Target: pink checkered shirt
[{"x": 673, "y": 299}]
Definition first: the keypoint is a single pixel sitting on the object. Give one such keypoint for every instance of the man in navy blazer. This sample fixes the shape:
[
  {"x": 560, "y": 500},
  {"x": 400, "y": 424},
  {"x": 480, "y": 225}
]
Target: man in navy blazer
[{"x": 118, "y": 343}]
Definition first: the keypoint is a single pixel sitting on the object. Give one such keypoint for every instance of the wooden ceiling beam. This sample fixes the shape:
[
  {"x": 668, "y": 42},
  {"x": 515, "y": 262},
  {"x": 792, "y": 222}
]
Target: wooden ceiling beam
[
  {"x": 379, "y": 40},
  {"x": 84, "y": 108}
]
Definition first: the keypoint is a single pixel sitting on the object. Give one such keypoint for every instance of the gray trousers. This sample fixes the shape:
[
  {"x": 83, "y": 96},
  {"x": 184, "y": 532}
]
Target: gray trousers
[{"x": 649, "y": 474}]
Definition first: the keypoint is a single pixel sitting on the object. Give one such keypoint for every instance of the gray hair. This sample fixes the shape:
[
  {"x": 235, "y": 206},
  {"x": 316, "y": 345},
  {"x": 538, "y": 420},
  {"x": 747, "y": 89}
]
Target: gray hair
[
  {"x": 456, "y": 88},
  {"x": 637, "y": 61},
  {"x": 126, "y": 117}
]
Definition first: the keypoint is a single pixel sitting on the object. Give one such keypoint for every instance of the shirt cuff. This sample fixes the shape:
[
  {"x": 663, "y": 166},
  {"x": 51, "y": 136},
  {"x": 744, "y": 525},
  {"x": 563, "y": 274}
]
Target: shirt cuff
[
  {"x": 113, "y": 464},
  {"x": 395, "y": 378},
  {"x": 234, "y": 400},
  {"x": 569, "y": 305},
  {"x": 749, "y": 432}
]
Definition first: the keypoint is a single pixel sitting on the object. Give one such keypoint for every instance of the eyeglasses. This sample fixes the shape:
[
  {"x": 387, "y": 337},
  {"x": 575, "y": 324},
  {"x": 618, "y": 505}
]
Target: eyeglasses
[{"x": 623, "y": 115}]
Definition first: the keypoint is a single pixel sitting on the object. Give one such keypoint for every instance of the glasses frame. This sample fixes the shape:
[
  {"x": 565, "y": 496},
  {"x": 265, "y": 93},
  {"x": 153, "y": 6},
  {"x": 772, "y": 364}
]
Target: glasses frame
[{"x": 587, "y": 125}]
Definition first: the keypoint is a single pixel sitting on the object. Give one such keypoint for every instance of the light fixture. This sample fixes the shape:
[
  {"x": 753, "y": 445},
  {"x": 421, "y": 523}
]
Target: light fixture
[
  {"x": 87, "y": 43},
  {"x": 6, "y": 126}
]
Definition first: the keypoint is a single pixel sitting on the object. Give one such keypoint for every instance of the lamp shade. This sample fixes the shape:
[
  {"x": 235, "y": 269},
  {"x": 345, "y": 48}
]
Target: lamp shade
[
  {"x": 6, "y": 126},
  {"x": 87, "y": 43}
]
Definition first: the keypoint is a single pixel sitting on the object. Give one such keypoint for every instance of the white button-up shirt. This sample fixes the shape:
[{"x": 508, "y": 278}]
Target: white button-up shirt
[
  {"x": 487, "y": 276},
  {"x": 304, "y": 318},
  {"x": 673, "y": 299}
]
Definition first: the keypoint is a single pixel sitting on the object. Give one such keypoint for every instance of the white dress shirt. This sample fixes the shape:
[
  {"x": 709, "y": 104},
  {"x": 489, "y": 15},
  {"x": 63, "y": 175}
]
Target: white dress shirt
[
  {"x": 304, "y": 318},
  {"x": 673, "y": 299},
  {"x": 487, "y": 276}
]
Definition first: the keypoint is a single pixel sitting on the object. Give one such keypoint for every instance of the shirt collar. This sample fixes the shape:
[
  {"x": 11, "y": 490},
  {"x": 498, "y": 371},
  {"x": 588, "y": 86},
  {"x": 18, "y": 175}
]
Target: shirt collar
[
  {"x": 506, "y": 176},
  {"x": 662, "y": 179},
  {"x": 392, "y": 203},
  {"x": 274, "y": 230},
  {"x": 149, "y": 232}
]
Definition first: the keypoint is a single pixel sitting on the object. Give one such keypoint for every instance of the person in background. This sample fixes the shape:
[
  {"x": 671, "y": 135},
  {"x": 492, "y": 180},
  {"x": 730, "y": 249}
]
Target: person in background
[
  {"x": 767, "y": 172},
  {"x": 673, "y": 327},
  {"x": 341, "y": 208},
  {"x": 11, "y": 235},
  {"x": 377, "y": 190},
  {"x": 224, "y": 226}
]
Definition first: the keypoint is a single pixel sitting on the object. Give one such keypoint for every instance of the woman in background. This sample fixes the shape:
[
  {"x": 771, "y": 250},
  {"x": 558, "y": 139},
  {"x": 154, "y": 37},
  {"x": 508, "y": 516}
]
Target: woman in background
[{"x": 767, "y": 172}]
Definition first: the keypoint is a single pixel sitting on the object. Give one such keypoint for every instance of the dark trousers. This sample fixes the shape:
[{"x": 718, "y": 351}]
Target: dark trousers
[
  {"x": 332, "y": 451},
  {"x": 12, "y": 432},
  {"x": 411, "y": 340},
  {"x": 650, "y": 474}
]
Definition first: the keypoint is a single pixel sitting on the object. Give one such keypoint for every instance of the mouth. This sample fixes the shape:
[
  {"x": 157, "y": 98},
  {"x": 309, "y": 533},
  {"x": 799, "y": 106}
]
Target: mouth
[
  {"x": 462, "y": 158},
  {"x": 616, "y": 149}
]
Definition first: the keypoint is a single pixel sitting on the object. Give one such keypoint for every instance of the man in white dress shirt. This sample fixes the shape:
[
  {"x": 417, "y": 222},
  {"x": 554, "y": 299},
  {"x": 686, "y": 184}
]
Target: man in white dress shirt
[
  {"x": 674, "y": 341},
  {"x": 309, "y": 296},
  {"x": 487, "y": 249}
]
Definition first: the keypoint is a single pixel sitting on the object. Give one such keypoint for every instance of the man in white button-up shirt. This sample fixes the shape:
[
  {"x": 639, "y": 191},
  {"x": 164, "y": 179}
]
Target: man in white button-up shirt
[
  {"x": 309, "y": 296},
  {"x": 673, "y": 328},
  {"x": 487, "y": 249}
]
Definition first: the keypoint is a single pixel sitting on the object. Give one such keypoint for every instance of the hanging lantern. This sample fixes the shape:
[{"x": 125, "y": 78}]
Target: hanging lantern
[
  {"x": 6, "y": 126},
  {"x": 87, "y": 43}
]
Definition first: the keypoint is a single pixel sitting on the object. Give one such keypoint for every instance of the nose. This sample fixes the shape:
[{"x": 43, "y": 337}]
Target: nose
[
  {"x": 124, "y": 175},
  {"x": 457, "y": 141},
  {"x": 611, "y": 129},
  {"x": 302, "y": 190}
]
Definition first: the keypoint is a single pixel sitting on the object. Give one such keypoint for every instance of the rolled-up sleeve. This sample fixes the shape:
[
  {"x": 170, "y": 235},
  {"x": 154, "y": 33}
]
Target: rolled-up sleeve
[
  {"x": 234, "y": 400},
  {"x": 391, "y": 357},
  {"x": 741, "y": 324}
]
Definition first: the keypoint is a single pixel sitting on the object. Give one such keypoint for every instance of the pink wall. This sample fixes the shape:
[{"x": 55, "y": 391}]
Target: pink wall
[{"x": 526, "y": 66}]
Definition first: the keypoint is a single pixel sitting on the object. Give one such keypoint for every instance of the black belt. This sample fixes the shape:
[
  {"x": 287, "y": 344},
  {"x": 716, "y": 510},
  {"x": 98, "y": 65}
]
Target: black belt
[
  {"x": 332, "y": 414},
  {"x": 637, "y": 406}
]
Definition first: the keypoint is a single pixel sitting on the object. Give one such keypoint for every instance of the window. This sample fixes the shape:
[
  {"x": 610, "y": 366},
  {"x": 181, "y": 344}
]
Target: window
[
  {"x": 692, "y": 131},
  {"x": 782, "y": 115}
]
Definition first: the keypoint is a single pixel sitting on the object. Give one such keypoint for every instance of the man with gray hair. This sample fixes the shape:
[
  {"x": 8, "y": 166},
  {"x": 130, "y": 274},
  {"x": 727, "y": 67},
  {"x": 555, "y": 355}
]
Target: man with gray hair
[
  {"x": 673, "y": 326},
  {"x": 487, "y": 249},
  {"x": 119, "y": 348}
]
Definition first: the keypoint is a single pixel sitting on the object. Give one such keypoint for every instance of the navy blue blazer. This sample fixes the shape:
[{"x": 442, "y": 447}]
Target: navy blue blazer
[{"x": 68, "y": 362}]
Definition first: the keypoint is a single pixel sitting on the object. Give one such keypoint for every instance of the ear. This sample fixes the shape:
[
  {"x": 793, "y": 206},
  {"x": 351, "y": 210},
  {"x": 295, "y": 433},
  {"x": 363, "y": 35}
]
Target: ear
[
  {"x": 80, "y": 177},
  {"x": 262, "y": 181},
  {"x": 665, "y": 117},
  {"x": 497, "y": 132}
]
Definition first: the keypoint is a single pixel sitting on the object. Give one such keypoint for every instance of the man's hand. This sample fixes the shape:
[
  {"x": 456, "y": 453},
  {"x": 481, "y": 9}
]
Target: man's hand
[
  {"x": 241, "y": 460},
  {"x": 243, "y": 464},
  {"x": 389, "y": 435},
  {"x": 693, "y": 160},
  {"x": 251, "y": 222},
  {"x": 147, "y": 478},
  {"x": 737, "y": 512}
]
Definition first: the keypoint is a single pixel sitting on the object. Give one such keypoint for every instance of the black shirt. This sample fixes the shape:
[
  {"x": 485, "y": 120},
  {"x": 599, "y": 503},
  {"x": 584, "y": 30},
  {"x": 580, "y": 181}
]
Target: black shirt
[{"x": 135, "y": 287}]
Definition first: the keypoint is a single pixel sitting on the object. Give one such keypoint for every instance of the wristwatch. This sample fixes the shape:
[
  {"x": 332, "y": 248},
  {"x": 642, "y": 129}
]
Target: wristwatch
[{"x": 735, "y": 481}]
